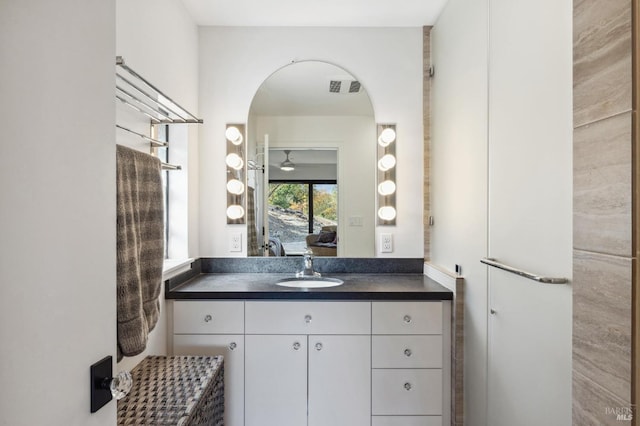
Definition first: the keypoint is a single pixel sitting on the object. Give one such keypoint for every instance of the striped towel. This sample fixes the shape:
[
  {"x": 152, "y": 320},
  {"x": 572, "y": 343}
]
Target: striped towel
[{"x": 140, "y": 247}]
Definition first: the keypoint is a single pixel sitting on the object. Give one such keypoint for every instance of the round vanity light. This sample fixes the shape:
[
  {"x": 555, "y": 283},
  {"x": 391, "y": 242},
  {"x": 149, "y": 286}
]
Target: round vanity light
[
  {"x": 387, "y": 213},
  {"x": 235, "y": 212},
  {"x": 234, "y": 186},
  {"x": 387, "y": 136},
  {"x": 387, "y": 162},
  {"x": 233, "y": 135},
  {"x": 387, "y": 187},
  {"x": 234, "y": 161}
]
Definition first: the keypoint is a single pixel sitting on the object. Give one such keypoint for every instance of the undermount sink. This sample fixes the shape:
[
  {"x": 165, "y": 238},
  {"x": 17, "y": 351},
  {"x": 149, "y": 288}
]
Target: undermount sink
[{"x": 310, "y": 282}]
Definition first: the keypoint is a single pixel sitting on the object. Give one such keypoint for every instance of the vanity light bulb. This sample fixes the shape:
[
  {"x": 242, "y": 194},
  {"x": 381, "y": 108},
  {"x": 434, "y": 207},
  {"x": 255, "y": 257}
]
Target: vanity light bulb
[
  {"x": 387, "y": 136},
  {"x": 387, "y": 187},
  {"x": 234, "y": 186},
  {"x": 387, "y": 213},
  {"x": 234, "y": 161},
  {"x": 387, "y": 162},
  {"x": 233, "y": 135},
  {"x": 235, "y": 212}
]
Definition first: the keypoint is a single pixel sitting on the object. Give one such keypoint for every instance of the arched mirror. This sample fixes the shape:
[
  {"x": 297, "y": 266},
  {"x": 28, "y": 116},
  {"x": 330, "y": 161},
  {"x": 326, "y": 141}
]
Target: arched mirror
[{"x": 311, "y": 164}]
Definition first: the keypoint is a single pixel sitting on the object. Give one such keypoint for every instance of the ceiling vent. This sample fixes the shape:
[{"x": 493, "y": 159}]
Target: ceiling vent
[{"x": 345, "y": 86}]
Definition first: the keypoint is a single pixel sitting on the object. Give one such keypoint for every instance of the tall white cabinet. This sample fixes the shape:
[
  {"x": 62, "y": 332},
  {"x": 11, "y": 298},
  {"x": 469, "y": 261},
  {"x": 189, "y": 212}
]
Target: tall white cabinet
[
  {"x": 502, "y": 143},
  {"x": 319, "y": 363}
]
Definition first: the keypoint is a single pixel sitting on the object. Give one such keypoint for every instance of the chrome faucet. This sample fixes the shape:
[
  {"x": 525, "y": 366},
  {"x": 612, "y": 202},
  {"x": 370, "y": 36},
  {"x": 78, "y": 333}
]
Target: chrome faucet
[{"x": 308, "y": 266}]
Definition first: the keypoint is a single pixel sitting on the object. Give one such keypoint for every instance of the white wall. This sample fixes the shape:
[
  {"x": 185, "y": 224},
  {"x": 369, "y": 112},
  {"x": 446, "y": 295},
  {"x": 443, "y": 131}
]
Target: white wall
[
  {"x": 352, "y": 137},
  {"x": 235, "y": 61},
  {"x": 158, "y": 39},
  {"x": 459, "y": 176},
  {"x": 57, "y": 220}
]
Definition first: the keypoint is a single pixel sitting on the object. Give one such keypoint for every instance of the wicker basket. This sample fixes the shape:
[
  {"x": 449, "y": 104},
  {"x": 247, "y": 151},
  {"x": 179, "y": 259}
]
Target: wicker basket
[{"x": 182, "y": 391}]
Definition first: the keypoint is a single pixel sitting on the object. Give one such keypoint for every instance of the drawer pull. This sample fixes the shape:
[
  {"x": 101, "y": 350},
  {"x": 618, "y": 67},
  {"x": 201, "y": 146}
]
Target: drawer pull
[
  {"x": 233, "y": 346},
  {"x": 407, "y": 319},
  {"x": 407, "y": 352},
  {"x": 407, "y": 386},
  {"x": 318, "y": 346},
  {"x": 296, "y": 346},
  {"x": 307, "y": 319},
  {"x": 208, "y": 318}
]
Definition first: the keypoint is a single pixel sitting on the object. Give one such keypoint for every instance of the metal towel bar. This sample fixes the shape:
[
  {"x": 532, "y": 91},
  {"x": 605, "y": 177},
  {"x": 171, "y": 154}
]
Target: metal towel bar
[{"x": 525, "y": 274}]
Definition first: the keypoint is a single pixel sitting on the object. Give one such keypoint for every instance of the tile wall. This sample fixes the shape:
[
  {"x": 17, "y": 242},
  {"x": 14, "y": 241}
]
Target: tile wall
[
  {"x": 602, "y": 204},
  {"x": 426, "y": 111}
]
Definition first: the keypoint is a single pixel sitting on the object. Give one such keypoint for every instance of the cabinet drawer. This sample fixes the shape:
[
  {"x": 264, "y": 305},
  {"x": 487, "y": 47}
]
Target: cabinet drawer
[
  {"x": 407, "y": 317},
  {"x": 308, "y": 317},
  {"x": 208, "y": 317},
  {"x": 406, "y": 351},
  {"x": 410, "y": 392},
  {"x": 406, "y": 421}
]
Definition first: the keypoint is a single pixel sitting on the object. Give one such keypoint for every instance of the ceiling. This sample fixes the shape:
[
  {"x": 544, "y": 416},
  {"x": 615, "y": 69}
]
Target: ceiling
[
  {"x": 327, "y": 13},
  {"x": 303, "y": 89}
]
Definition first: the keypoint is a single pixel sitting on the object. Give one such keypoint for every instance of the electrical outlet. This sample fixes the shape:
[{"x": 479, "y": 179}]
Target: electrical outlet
[
  {"x": 235, "y": 242},
  {"x": 386, "y": 243}
]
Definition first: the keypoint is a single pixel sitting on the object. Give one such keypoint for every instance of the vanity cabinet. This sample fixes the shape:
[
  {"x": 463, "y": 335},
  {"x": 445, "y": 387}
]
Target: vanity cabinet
[
  {"x": 208, "y": 328},
  {"x": 407, "y": 364},
  {"x": 308, "y": 363},
  {"x": 318, "y": 363}
]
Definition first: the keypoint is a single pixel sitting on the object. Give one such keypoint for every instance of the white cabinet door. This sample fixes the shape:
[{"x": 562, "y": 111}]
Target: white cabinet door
[
  {"x": 530, "y": 194},
  {"x": 275, "y": 380},
  {"x": 232, "y": 348},
  {"x": 339, "y": 380}
]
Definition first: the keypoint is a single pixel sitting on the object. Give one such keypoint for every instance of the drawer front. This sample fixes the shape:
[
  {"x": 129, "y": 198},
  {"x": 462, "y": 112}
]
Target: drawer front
[
  {"x": 407, "y": 317},
  {"x": 208, "y": 317},
  {"x": 308, "y": 317},
  {"x": 406, "y": 351},
  {"x": 407, "y": 392},
  {"x": 406, "y": 421}
]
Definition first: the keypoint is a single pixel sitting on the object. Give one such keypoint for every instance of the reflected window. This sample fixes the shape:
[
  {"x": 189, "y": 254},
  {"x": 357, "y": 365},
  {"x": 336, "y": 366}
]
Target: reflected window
[{"x": 299, "y": 210}]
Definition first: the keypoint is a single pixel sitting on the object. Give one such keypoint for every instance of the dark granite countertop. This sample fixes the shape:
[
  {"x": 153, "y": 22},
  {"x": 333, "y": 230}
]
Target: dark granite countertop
[{"x": 357, "y": 286}]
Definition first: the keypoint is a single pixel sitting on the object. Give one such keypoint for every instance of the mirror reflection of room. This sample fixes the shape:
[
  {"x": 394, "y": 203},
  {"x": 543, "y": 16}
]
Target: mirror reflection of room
[{"x": 311, "y": 164}]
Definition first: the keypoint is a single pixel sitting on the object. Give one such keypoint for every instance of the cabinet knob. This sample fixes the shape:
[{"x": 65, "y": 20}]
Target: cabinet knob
[
  {"x": 407, "y": 319},
  {"x": 207, "y": 318},
  {"x": 407, "y": 386},
  {"x": 493, "y": 311},
  {"x": 307, "y": 319},
  {"x": 233, "y": 346},
  {"x": 407, "y": 352},
  {"x": 296, "y": 345},
  {"x": 318, "y": 346}
]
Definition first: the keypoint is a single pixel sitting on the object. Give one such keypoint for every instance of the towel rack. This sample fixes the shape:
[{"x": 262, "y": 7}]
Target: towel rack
[
  {"x": 152, "y": 141},
  {"x": 138, "y": 93},
  {"x": 545, "y": 280},
  {"x": 169, "y": 166}
]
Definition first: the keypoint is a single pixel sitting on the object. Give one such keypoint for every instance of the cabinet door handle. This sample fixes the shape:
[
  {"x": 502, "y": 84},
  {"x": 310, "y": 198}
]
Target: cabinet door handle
[
  {"x": 407, "y": 352},
  {"x": 407, "y": 386},
  {"x": 318, "y": 346},
  {"x": 296, "y": 346},
  {"x": 407, "y": 319},
  {"x": 207, "y": 318},
  {"x": 307, "y": 319},
  {"x": 233, "y": 346}
]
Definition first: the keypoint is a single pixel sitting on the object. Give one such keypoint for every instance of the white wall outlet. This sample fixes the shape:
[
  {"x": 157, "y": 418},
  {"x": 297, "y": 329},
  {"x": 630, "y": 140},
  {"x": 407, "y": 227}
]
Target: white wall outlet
[
  {"x": 235, "y": 242},
  {"x": 386, "y": 243}
]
